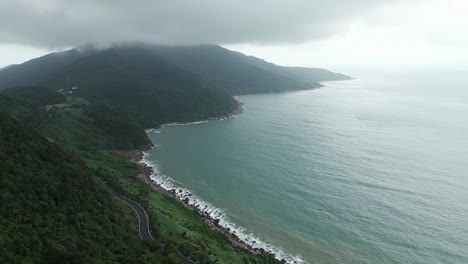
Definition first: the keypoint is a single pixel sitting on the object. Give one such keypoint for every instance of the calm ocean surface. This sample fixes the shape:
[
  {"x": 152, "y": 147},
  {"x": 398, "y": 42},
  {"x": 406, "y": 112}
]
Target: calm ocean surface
[{"x": 372, "y": 171}]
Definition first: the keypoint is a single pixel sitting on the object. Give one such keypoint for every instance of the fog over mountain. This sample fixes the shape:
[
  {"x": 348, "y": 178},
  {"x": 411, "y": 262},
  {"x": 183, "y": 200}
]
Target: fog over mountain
[
  {"x": 233, "y": 131},
  {"x": 56, "y": 23},
  {"x": 334, "y": 34}
]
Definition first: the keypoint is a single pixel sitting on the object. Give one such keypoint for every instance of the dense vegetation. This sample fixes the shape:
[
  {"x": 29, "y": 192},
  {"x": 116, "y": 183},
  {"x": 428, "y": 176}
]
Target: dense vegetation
[
  {"x": 142, "y": 86},
  {"x": 38, "y": 96},
  {"x": 32, "y": 72},
  {"x": 23, "y": 112},
  {"x": 54, "y": 211},
  {"x": 228, "y": 70},
  {"x": 120, "y": 132},
  {"x": 231, "y": 71},
  {"x": 171, "y": 222},
  {"x": 126, "y": 89}
]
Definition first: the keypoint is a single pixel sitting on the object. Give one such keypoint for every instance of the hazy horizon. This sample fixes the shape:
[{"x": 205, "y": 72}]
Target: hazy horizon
[{"x": 140, "y": 141}]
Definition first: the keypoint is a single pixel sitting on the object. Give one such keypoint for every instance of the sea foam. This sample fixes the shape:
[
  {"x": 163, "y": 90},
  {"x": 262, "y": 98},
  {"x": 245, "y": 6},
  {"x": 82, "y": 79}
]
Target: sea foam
[{"x": 214, "y": 214}]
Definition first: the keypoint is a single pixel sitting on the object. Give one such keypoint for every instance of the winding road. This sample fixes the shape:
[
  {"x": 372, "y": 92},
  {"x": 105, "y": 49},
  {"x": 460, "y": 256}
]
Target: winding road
[
  {"x": 143, "y": 223},
  {"x": 143, "y": 220}
]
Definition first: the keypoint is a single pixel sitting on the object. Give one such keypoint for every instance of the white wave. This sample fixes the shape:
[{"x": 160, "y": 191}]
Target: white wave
[
  {"x": 215, "y": 214},
  {"x": 184, "y": 124},
  {"x": 242, "y": 106}
]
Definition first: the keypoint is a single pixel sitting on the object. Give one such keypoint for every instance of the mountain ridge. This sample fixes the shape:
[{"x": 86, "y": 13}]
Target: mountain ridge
[
  {"x": 232, "y": 71},
  {"x": 111, "y": 96},
  {"x": 134, "y": 80}
]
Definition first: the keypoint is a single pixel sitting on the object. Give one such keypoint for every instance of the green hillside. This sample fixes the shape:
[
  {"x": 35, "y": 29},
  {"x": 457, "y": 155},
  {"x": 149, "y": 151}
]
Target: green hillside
[
  {"x": 142, "y": 87},
  {"x": 309, "y": 75},
  {"x": 229, "y": 70},
  {"x": 34, "y": 71},
  {"x": 38, "y": 96},
  {"x": 55, "y": 211},
  {"x": 50, "y": 196},
  {"x": 25, "y": 113},
  {"x": 172, "y": 223}
]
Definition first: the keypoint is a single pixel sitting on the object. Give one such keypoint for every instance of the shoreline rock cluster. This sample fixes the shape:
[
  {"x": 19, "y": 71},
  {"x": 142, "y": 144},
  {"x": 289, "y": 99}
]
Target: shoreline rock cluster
[
  {"x": 146, "y": 171},
  {"x": 137, "y": 156}
]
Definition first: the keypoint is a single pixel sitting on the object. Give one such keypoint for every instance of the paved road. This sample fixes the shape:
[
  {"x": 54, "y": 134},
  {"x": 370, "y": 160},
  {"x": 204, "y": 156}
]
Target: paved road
[
  {"x": 143, "y": 220},
  {"x": 143, "y": 223},
  {"x": 186, "y": 260},
  {"x": 143, "y": 226}
]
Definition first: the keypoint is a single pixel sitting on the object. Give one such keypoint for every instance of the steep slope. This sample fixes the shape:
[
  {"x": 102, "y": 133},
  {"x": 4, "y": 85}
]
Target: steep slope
[
  {"x": 142, "y": 87},
  {"x": 54, "y": 210},
  {"x": 36, "y": 70},
  {"x": 228, "y": 70},
  {"x": 180, "y": 229},
  {"x": 231, "y": 71},
  {"x": 309, "y": 75},
  {"x": 38, "y": 96},
  {"x": 25, "y": 113},
  {"x": 240, "y": 73}
]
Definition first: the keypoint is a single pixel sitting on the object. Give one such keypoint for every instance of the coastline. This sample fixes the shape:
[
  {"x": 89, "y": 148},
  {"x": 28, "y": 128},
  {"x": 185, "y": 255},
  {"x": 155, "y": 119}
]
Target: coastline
[
  {"x": 237, "y": 111},
  {"x": 213, "y": 216}
]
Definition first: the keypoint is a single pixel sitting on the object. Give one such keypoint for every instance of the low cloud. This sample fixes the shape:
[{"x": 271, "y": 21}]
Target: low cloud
[{"x": 61, "y": 23}]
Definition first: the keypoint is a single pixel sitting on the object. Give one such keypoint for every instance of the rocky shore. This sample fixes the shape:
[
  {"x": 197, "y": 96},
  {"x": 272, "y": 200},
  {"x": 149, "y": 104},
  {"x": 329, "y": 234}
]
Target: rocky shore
[
  {"x": 238, "y": 110},
  {"x": 138, "y": 156},
  {"x": 145, "y": 175}
]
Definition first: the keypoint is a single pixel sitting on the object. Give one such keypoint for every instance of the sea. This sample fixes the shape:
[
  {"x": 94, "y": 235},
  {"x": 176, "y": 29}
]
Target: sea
[{"x": 372, "y": 170}]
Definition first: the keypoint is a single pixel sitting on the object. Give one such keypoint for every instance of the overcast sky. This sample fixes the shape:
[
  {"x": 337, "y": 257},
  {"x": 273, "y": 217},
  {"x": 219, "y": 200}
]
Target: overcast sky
[{"x": 337, "y": 34}]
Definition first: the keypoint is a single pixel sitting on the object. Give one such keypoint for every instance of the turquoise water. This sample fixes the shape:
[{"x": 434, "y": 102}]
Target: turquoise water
[{"x": 364, "y": 171}]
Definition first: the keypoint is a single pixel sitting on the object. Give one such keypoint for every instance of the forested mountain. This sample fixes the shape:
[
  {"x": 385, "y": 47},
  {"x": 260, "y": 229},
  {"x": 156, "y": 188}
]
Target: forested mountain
[
  {"x": 140, "y": 85},
  {"x": 309, "y": 75},
  {"x": 126, "y": 89},
  {"x": 34, "y": 71},
  {"x": 134, "y": 86},
  {"x": 231, "y": 71},
  {"x": 53, "y": 210},
  {"x": 23, "y": 112},
  {"x": 38, "y": 96}
]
